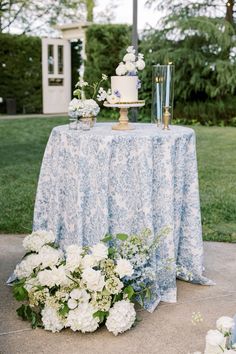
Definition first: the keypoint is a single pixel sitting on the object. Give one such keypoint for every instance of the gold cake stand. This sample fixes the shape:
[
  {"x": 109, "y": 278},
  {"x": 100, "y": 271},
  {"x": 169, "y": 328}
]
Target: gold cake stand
[{"x": 123, "y": 119}]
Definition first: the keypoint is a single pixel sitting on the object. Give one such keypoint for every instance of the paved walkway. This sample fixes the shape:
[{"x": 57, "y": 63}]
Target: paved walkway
[
  {"x": 167, "y": 331},
  {"x": 23, "y": 116}
]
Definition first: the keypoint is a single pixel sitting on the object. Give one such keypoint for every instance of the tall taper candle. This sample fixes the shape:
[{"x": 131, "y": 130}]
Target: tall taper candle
[
  {"x": 158, "y": 100},
  {"x": 168, "y": 86}
]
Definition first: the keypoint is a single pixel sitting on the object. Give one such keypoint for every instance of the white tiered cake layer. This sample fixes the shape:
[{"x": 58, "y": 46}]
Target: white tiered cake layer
[{"x": 127, "y": 86}]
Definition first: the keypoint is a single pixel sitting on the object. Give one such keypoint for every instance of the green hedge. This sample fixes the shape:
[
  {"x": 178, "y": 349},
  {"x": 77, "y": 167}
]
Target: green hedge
[
  {"x": 21, "y": 72},
  {"x": 105, "y": 47}
]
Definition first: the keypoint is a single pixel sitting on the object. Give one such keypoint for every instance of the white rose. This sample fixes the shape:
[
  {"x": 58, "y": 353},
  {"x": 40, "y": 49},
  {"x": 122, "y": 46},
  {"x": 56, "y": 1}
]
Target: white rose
[
  {"x": 88, "y": 261},
  {"x": 129, "y": 57},
  {"x": 54, "y": 276},
  {"x": 72, "y": 304},
  {"x": 121, "y": 317},
  {"x": 224, "y": 324},
  {"x": 113, "y": 99},
  {"x": 124, "y": 268},
  {"x": 99, "y": 252},
  {"x": 121, "y": 69},
  {"x": 130, "y": 66},
  {"x": 49, "y": 256},
  {"x": 130, "y": 49},
  {"x": 214, "y": 340},
  {"x": 140, "y": 64},
  {"x": 94, "y": 279}
]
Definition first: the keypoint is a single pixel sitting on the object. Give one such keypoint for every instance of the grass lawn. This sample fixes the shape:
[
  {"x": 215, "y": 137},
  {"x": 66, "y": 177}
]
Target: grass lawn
[{"x": 22, "y": 143}]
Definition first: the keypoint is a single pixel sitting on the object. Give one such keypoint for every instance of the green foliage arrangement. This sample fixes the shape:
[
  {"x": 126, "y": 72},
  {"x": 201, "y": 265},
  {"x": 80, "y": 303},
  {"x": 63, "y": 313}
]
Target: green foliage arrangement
[{"x": 21, "y": 72}]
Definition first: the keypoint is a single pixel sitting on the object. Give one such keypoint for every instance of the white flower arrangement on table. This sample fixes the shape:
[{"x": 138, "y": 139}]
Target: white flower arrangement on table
[
  {"x": 222, "y": 339},
  {"x": 81, "y": 107},
  {"x": 84, "y": 287}
]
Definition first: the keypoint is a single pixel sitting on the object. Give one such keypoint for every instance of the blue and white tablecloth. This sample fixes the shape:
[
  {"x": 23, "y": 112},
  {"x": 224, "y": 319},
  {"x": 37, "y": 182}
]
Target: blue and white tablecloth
[{"x": 104, "y": 181}]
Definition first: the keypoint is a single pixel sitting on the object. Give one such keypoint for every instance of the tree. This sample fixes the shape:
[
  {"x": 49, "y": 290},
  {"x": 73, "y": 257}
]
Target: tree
[
  {"x": 36, "y": 16},
  {"x": 89, "y": 7},
  {"x": 199, "y": 37}
]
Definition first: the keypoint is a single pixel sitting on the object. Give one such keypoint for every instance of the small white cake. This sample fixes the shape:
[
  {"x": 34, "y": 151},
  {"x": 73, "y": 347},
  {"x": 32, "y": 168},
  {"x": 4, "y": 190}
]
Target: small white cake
[{"x": 126, "y": 87}]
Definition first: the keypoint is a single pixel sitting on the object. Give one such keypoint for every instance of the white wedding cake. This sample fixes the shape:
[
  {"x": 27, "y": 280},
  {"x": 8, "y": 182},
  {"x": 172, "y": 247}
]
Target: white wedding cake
[{"x": 126, "y": 88}]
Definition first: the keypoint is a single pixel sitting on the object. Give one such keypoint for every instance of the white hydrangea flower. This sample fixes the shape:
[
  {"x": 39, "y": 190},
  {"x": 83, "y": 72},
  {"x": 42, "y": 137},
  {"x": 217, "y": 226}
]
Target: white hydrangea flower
[
  {"x": 91, "y": 108},
  {"x": 73, "y": 105},
  {"x": 224, "y": 324},
  {"x": 49, "y": 256},
  {"x": 121, "y": 69},
  {"x": 37, "y": 240},
  {"x": 113, "y": 99},
  {"x": 129, "y": 57},
  {"x": 73, "y": 257},
  {"x": 121, "y": 317},
  {"x": 89, "y": 261},
  {"x": 54, "y": 276},
  {"x": 80, "y": 294},
  {"x": 94, "y": 279},
  {"x": 25, "y": 268},
  {"x": 99, "y": 251},
  {"x": 130, "y": 67},
  {"x": 124, "y": 268},
  {"x": 81, "y": 319},
  {"x": 214, "y": 339},
  {"x": 51, "y": 320},
  {"x": 140, "y": 64},
  {"x": 72, "y": 304}
]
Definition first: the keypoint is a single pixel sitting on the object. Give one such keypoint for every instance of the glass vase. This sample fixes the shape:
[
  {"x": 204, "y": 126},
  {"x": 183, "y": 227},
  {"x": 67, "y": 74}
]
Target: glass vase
[{"x": 162, "y": 93}]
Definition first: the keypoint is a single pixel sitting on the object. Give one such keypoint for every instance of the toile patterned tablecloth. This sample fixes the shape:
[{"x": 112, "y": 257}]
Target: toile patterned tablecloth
[{"x": 104, "y": 181}]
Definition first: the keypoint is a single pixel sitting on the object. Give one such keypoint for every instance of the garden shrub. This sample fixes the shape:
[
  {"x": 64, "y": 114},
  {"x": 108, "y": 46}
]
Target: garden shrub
[{"x": 21, "y": 72}]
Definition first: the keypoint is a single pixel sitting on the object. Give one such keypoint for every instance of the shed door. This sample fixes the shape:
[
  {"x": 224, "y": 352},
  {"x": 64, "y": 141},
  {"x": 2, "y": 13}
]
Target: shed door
[{"x": 56, "y": 61}]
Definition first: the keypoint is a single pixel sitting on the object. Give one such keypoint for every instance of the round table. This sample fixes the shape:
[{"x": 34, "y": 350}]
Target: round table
[{"x": 105, "y": 181}]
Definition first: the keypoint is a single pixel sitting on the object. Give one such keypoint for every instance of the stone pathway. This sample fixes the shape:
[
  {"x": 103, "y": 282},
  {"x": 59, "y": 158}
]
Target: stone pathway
[{"x": 167, "y": 331}]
